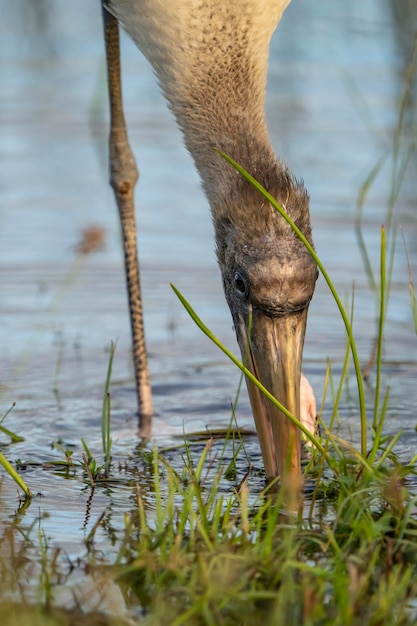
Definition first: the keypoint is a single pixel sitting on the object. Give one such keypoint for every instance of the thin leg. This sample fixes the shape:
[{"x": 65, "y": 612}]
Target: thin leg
[{"x": 123, "y": 177}]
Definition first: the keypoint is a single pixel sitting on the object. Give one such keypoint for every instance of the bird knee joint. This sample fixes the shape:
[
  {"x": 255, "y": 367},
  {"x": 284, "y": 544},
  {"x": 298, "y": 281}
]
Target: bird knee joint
[
  {"x": 123, "y": 181},
  {"x": 122, "y": 187}
]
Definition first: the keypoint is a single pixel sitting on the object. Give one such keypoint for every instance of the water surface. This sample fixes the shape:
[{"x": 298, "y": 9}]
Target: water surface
[{"x": 335, "y": 82}]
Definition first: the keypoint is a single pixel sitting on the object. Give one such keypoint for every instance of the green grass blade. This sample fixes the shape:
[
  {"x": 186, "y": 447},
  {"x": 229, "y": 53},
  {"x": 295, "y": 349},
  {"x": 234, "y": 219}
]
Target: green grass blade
[
  {"x": 7, "y": 412},
  {"x": 86, "y": 449},
  {"x": 105, "y": 413},
  {"x": 390, "y": 447},
  {"x": 15, "y": 475},
  {"x": 345, "y": 317},
  {"x": 367, "y": 184},
  {"x": 411, "y": 287},
  {"x": 247, "y": 372},
  {"x": 13, "y": 436},
  {"x": 382, "y": 303}
]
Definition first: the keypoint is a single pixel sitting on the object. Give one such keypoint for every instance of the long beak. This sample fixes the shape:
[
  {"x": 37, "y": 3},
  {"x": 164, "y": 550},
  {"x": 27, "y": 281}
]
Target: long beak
[{"x": 272, "y": 350}]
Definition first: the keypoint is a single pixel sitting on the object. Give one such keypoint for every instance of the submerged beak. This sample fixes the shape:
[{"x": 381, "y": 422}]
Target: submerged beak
[{"x": 272, "y": 350}]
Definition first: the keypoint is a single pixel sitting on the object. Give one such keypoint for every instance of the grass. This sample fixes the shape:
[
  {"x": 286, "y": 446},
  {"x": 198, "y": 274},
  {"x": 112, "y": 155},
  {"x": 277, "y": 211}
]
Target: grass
[
  {"x": 206, "y": 542},
  {"x": 231, "y": 560},
  {"x": 200, "y": 555},
  {"x": 201, "y": 545}
]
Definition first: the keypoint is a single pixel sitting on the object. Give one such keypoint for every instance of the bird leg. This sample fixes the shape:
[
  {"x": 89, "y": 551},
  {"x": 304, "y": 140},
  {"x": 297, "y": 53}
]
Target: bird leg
[{"x": 123, "y": 177}]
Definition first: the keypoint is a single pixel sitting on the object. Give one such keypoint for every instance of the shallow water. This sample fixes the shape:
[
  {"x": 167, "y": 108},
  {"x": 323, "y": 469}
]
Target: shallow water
[{"x": 336, "y": 76}]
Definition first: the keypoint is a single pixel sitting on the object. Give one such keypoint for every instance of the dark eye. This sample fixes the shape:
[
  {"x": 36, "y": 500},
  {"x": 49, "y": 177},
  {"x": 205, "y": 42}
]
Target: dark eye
[{"x": 240, "y": 283}]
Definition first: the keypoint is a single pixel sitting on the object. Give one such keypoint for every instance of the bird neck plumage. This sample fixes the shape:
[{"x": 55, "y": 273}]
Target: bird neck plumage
[
  {"x": 217, "y": 96},
  {"x": 211, "y": 61},
  {"x": 241, "y": 134}
]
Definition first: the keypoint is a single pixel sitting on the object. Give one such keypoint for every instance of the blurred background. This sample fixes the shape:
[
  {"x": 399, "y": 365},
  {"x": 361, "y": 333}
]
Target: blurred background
[{"x": 341, "y": 112}]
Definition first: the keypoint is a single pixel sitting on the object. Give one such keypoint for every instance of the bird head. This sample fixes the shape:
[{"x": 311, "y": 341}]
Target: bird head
[{"x": 269, "y": 278}]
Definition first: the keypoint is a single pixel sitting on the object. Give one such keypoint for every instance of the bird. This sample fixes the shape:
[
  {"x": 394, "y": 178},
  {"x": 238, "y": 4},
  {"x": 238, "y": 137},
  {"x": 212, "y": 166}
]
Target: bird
[{"x": 210, "y": 58}]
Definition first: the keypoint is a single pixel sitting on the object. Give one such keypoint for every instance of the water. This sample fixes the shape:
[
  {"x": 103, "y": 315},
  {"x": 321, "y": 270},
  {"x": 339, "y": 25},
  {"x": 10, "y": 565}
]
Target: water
[{"x": 336, "y": 76}]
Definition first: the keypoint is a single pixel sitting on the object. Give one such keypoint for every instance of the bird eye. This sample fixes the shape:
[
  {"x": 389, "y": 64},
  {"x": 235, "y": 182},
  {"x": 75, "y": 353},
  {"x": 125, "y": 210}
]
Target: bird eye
[{"x": 240, "y": 283}]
